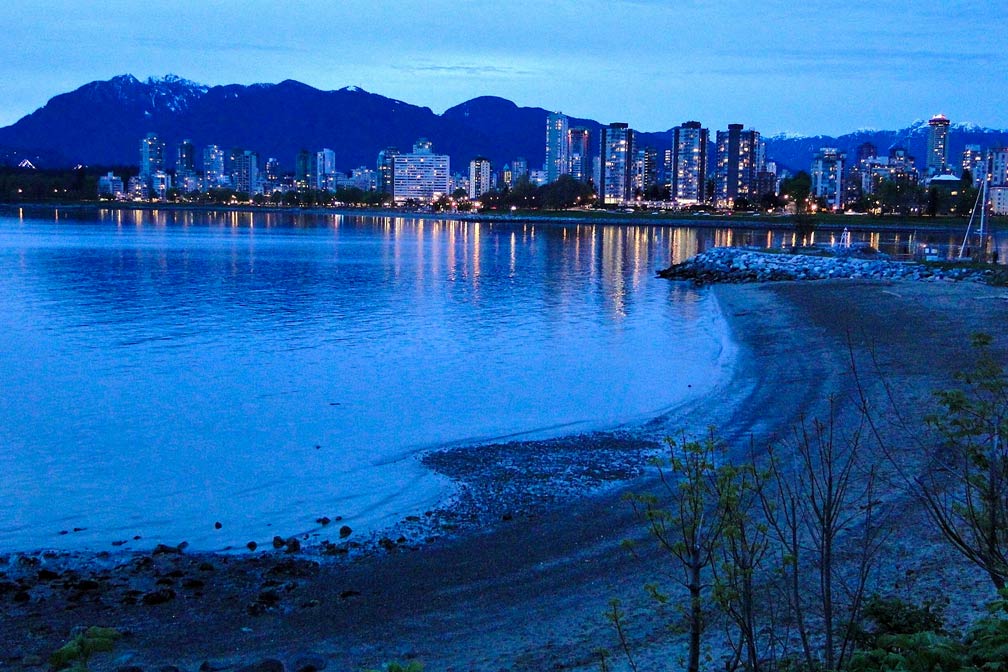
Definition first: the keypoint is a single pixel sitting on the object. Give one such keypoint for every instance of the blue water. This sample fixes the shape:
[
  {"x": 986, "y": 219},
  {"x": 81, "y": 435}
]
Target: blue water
[{"x": 163, "y": 371}]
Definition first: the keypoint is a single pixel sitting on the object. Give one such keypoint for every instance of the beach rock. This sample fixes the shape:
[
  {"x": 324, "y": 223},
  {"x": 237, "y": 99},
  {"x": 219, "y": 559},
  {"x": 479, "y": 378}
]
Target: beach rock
[
  {"x": 206, "y": 567},
  {"x": 165, "y": 549},
  {"x": 308, "y": 662},
  {"x": 158, "y": 596},
  {"x": 47, "y": 575},
  {"x": 293, "y": 568},
  {"x": 265, "y": 665},
  {"x": 212, "y": 666},
  {"x": 192, "y": 584},
  {"x": 345, "y": 531},
  {"x": 22, "y": 596},
  {"x": 129, "y": 668}
]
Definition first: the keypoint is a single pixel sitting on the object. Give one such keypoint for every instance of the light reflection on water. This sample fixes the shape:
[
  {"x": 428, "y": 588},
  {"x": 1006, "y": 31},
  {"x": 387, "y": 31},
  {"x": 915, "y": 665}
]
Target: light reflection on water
[{"x": 168, "y": 369}]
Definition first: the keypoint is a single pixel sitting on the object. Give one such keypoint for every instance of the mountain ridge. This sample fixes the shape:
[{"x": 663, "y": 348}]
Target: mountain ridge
[{"x": 102, "y": 122}]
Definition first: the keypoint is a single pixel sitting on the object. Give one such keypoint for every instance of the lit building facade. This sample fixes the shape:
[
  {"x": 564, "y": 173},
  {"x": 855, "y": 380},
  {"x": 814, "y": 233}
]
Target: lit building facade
[
  {"x": 386, "y": 169},
  {"x": 827, "y": 177},
  {"x": 557, "y": 146},
  {"x": 579, "y": 142},
  {"x": 688, "y": 165},
  {"x": 151, "y": 157},
  {"x": 740, "y": 158},
  {"x": 479, "y": 177},
  {"x": 937, "y": 146},
  {"x": 616, "y": 164},
  {"x": 325, "y": 169},
  {"x": 421, "y": 176},
  {"x": 214, "y": 175},
  {"x": 973, "y": 161},
  {"x": 246, "y": 172},
  {"x": 111, "y": 186},
  {"x": 645, "y": 169}
]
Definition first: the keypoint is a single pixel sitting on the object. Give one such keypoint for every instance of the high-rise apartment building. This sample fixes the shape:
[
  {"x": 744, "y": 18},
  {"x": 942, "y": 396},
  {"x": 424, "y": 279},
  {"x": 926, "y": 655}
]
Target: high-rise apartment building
[
  {"x": 557, "y": 146},
  {"x": 214, "y": 175},
  {"x": 973, "y": 161},
  {"x": 304, "y": 169},
  {"x": 937, "y": 146},
  {"x": 740, "y": 158},
  {"x": 421, "y": 176},
  {"x": 151, "y": 156},
  {"x": 616, "y": 164},
  {"x": 386, "y": 169},
  {"x": 688, "y": 166},
  {"x": 827, "y": 176},
  {"x": 580, "y": 153},
  {"x": 325, "y": 169},
  {"x": 479, "y": 177},
  {"x": 185, "y": 160},
  {"x": 519, "y": 169},
  {"x": 246, "y": 172},
  {"x": 645, "y": 169}
]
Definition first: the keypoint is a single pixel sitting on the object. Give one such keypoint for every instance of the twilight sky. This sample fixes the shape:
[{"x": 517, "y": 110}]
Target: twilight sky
[{"x": 804, "y": 66}]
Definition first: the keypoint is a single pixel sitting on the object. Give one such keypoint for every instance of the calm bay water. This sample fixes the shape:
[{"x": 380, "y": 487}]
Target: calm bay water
[{"x": 163, "y": 371}]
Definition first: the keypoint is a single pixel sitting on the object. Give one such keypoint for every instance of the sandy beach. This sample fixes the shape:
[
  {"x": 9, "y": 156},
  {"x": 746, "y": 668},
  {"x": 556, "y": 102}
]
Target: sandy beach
[{"x": 520, "y": 578}]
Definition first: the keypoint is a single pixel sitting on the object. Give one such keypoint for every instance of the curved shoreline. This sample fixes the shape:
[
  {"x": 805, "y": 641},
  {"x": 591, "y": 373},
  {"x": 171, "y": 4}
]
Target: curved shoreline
[{"x": 526, "y": 593}]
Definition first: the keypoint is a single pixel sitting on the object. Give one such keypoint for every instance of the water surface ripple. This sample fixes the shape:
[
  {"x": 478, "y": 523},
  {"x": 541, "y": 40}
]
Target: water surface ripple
[{"x": 163, "y": 371}]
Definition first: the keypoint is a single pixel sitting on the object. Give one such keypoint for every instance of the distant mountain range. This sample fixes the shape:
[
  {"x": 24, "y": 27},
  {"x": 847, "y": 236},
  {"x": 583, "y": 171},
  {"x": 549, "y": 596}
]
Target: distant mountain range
[{"x": 101, "y": 123}]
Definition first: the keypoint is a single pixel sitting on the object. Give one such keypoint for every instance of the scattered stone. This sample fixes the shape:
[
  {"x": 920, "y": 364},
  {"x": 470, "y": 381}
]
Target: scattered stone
[
  {"x": 387, "y": 544},
  {"x": 206, "y": 567},
  {"x": 294, "y": 568},
  {"x": 347, "y": 594},
  {"x": 217, "y": 525},
  {"x": 47, "y": 575},
  {"x": 324, "y": 520},
  {"x": 265, "y": 665},
  {"x": 293, "y": 545},
  {"x": 207, "y": 666},
  {"x": 345, "y": 532},
  {"x": 278, "y": 542},
  {"x": 252, "y": 545},
  {"x": 119, "y": 542},
  {"x": 22, "y": 596},
  {"x": 192, "y": 584},
  {"x": 158, "y": 596},
  {"x": 165, "y": 581},
  {"x": 168, "y": 668},
  {"x": 129, "y": 668},
  {"x": 165, "y": 549},
  {"x": 87, "y": 584},
  {"x": 309, "y": 662}
]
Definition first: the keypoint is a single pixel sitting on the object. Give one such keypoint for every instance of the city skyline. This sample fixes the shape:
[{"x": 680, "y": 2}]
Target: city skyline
[{"x": 808, "y": 69}]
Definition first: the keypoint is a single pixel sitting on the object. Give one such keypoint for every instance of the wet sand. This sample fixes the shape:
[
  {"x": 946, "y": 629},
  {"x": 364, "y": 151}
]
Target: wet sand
[{"x": 523, "y": 581}]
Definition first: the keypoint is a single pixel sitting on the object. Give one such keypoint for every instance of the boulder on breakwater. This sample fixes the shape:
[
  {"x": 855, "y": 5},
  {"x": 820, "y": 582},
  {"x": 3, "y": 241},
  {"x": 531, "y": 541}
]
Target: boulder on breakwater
[{"x": 733, "y": 264}]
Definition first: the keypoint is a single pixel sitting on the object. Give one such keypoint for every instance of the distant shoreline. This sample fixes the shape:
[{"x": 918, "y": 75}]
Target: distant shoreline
[{"x": 830, "y": 222}]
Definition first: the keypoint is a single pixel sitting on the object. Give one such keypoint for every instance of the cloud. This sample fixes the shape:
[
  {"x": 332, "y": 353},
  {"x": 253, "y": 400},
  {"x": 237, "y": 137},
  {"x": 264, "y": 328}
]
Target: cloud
[{"x": 468, "y": 70}]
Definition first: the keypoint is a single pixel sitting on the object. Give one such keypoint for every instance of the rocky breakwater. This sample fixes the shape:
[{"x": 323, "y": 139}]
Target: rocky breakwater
[{"x": 728, "y": 264}]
